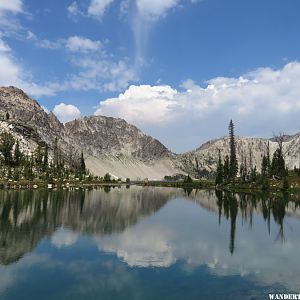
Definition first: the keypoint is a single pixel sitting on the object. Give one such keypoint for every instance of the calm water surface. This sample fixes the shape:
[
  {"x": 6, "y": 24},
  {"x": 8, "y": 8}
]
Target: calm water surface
[{"x": 147, "y": 243}]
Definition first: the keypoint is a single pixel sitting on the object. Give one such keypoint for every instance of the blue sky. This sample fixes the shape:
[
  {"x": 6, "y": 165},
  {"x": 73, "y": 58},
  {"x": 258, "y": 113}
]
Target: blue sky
[{"x": 177, "y": 69}]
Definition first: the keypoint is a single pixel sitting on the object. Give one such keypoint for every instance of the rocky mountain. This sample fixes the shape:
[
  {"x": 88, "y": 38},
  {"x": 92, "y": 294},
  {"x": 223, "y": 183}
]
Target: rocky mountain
[
  {"x": 112, "y": 145},
  {"x": 109, "y": 144},
  {"x": 99, "y": 135},
  {"x": 204, "y": 159}
]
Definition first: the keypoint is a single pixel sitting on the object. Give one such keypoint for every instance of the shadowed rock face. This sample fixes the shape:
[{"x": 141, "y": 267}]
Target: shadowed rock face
[
  {"x": 26, "y": 217},
  {"x": 26, "y": 112}
]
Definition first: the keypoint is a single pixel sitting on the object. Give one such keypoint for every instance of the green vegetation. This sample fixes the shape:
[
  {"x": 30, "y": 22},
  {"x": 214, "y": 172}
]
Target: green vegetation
[
  {"x": 38, "y": 168},
  {"x": 273, "y": 174},
  {"x": 15, "y": 165}
]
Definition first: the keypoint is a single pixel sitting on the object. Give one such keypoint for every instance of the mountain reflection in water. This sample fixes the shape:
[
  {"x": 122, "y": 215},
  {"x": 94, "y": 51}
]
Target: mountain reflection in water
[{"x": 257, "y": 236}]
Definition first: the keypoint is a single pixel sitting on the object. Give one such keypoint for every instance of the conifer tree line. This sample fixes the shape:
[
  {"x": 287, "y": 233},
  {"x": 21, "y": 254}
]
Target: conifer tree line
[
  {"x": 16, "y": 165},
  {"x": 228, "y": 170}
]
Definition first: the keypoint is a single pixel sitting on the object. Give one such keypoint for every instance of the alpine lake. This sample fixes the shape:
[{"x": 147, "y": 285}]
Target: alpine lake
[{"x": 147, "y": 243}]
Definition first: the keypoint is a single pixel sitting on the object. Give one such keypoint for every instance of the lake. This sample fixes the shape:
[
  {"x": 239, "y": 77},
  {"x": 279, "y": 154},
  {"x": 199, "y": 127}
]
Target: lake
[{"x": 147, "y": 243}]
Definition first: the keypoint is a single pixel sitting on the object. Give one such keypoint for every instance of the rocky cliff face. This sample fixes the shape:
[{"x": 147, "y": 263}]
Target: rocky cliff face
[
  {"x": 204, "y": 159},
  {"x": 99, "y": 135},
  {"x": 23, "y": 111}
]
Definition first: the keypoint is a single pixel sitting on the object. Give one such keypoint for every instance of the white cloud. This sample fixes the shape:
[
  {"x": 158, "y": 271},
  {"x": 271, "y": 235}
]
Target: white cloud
[
  {"x": 82, "y": 44},
  {"x": 141, "y": 104},
  {"x": 96, "y": 70},
  {"x": 154, "y": 9},
  {"x": 101, "y": 74},
  {"x": 14, "y": 6},
  {"x": 9, "y": 9},
  {"x": 66, "y": 112},
  {"x": 13, "y": 73},
  {"x": 260, "y": 102},
  {"x": 97, "y": 8}
]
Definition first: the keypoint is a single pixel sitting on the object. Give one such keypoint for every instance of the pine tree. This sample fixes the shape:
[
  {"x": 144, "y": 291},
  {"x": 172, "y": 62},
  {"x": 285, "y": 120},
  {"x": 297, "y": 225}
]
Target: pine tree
[
  {"x": 17, "y": 154},
  {"x": 278, "y": 164},
  {"x": 226, "y": 169},
  {"x": 82, "y": 165},
  {"x": 45, "y": 159},
  {"x": 55, "y": 152},
  {"x": 285, "y": 184},
  {"x": 38, "y": 158},
  {"x": 7, "y": 142},
  {"x": 268, "y": 159},
  {"x": 233, "y": 164},
  {"x": 264, "y": 167},
  {"x": 220, "y": 169}
]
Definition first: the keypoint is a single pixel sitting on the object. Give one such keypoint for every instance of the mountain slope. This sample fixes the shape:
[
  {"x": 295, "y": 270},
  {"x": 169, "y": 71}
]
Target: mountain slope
[
  {"x": 109, "y": 145},
  {"x": 204, "y": 159},
  {"x": 113, "y": 146}
]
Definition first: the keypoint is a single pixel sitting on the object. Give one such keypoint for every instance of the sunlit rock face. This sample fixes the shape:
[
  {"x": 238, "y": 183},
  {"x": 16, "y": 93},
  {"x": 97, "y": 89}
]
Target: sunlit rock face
[{"x": 249, "y": 149}]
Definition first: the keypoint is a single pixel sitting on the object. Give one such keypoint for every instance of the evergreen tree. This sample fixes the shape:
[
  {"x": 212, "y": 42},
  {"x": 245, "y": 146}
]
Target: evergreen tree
[
  {"x": 226, "y": 169},
  {"x": 17, "y": 154},
  {"x": 82, "y": 165},
  {"x": 7, "y": 142},
  {"x": 220, "y": 169},
  {"x": 55, "y": 153},
  {"x": 233, "y": 164},
  {"x": 278, "y": 164},
  {"x": 268, "y": 159},
  {"x": 264, "y": 167},
  {"x": 38, "y": 158},
  {"x": 45, "y": 159},
  {"x": 285, "y": 184}
]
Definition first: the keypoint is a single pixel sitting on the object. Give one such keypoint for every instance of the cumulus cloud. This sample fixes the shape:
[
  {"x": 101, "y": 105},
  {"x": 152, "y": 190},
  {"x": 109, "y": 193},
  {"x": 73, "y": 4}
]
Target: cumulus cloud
[
  {"x": 66, "y": 112},
  {"x": 82, "y": 44},
  {"x": 261, "y": 102},
  {"x": 142, "y": 104},
  {"x": 97, "y": 8}
]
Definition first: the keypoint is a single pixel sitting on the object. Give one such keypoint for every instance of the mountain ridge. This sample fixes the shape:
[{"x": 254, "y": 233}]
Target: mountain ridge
[{"x": 115, "y": 146}]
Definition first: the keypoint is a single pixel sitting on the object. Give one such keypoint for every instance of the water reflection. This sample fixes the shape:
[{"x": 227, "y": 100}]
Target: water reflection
[
  {"x": 251, "y": 236},
  {"x": 28, "y": 216}
]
